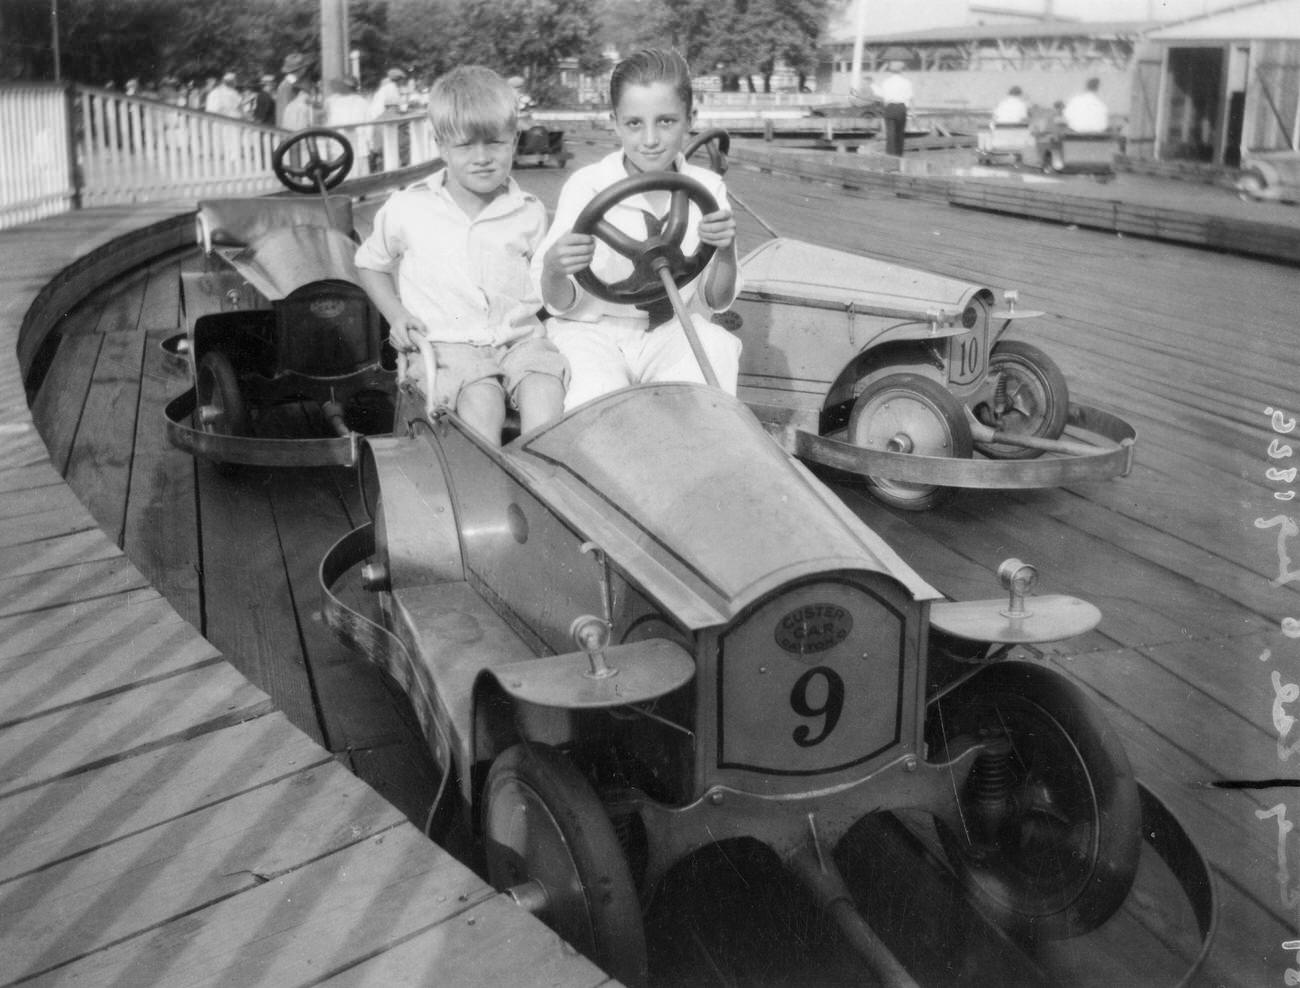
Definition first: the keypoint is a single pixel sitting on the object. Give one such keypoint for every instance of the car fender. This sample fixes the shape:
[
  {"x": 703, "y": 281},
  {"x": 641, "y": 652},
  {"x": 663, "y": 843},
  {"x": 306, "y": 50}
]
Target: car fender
[{"x": 405, "y": 491}]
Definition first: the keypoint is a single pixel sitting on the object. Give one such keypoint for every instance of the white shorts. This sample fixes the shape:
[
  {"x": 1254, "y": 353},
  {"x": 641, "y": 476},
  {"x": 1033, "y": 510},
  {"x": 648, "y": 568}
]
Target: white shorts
[{"x": 604, "y": 357}]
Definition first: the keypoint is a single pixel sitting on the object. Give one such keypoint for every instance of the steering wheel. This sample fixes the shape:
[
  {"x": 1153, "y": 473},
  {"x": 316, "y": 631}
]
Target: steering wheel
[
  {"x": 662, "y": 246},
  {"x": 316, "y": 172},
  {"x": 716, "y": 143}
]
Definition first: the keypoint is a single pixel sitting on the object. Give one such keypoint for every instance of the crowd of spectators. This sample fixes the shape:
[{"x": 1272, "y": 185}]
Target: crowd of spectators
[{"x": 292, "y": 100}]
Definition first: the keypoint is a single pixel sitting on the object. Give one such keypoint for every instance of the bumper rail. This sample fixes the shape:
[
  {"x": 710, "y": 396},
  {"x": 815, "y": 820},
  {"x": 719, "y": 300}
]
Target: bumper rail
[{"x": 1100, "y": 446}]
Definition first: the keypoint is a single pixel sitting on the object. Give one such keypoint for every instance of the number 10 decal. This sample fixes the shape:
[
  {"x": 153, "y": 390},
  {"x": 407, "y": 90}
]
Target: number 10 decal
[{"x": 969, "y": 354}]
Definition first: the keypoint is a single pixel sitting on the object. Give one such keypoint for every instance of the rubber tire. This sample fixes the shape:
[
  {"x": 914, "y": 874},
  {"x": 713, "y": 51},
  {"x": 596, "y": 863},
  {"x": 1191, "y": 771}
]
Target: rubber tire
[
  {"x": 216, "y": 378},
  {"x": 951, "y": 438},
  {"x": 1251, "y": 185},
  {"x": 1048, "y": 392},
  {"x": 542, "y": 820},
  {"x": 1019, "y": 892}
]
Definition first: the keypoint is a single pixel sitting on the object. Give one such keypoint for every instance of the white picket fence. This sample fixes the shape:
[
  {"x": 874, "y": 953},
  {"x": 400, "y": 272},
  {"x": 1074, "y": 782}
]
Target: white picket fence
[
  {"x": 36, "y": 168},
  {"x": 77, "y": 146}
]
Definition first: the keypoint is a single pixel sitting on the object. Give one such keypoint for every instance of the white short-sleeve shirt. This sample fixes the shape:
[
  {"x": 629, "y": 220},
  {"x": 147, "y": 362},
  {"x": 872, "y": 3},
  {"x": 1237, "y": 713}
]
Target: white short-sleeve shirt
[
  {"x": 1086, "y": 113},
  {"x": 466, "y": 279},
  {"x": 630, "y": 217}
]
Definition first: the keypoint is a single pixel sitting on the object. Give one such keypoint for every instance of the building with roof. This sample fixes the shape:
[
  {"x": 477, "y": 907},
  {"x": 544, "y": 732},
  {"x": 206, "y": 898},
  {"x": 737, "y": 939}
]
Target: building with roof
[
  {"x": 965, "y": 55},
  {"x": 1211, "y": 88},
  {"x": 972, "y": 66}
]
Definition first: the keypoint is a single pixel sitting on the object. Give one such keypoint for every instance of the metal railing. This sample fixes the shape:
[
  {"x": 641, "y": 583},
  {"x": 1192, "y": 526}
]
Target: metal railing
[{"x": 67, "y": 147}]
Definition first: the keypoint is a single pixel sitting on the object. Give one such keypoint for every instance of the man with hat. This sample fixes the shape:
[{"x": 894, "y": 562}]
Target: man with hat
[
  {"x": 262, "y": 110},
  {"x": 292, "y": 70},
  {"x": 895, "y": 91},
  {"x": 223, "y": 97},
  {"x": 389, "y": 94}
]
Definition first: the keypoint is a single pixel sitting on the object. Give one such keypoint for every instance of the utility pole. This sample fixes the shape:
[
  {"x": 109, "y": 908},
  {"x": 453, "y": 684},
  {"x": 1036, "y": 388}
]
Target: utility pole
[
  {"x": 860, "y": 29},
  {"x": 333, "y": 41},
  {"x": 54, "y": 33}
]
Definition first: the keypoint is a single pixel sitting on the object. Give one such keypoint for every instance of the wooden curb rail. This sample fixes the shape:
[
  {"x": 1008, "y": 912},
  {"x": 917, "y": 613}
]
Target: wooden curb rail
[
  {"x": 1113, "y": 213},
  {"x": 163, "y": 823}
]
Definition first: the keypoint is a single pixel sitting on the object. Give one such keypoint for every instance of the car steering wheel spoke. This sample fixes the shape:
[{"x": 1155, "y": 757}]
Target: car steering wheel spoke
[
  {"x": 663, "y": 242},
  {"x": 617, "y": 240}
]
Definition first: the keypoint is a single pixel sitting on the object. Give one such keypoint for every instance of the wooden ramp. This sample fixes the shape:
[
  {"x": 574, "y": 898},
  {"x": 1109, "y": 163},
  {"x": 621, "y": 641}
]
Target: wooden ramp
[{"x": 163, "y": 822}]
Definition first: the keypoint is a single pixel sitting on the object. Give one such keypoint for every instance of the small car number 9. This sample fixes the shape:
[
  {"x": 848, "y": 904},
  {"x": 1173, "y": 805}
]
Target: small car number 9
[
  {"x": 828, "y": 708},
  {"x": 803, "y": 667}
]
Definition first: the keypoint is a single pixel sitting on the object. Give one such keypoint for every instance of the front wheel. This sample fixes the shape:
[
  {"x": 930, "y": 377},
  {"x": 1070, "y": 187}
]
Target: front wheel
[
  {"x": 1031, "y": 399},
  {"x": 1051, "y": 813},
  {"x": 909, "y": 413},
  {"x": 545, "y": 829}
]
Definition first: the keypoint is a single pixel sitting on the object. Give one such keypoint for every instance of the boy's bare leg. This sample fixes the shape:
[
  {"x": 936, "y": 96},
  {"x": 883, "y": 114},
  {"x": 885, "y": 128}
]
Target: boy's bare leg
[
  {"x": 483, "y": 407},
  {"x": 540, "y": 398}
]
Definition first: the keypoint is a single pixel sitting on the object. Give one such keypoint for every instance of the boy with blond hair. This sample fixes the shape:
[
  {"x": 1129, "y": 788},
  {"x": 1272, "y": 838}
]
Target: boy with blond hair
[{"x": 448, "y": 259}]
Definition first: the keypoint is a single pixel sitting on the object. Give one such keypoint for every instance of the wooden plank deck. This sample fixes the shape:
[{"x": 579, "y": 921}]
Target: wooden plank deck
[
  {"x": 1197, "y": 349},
  {"x": 1192, "y": 346},
  {"x": 164, "y": 821}
]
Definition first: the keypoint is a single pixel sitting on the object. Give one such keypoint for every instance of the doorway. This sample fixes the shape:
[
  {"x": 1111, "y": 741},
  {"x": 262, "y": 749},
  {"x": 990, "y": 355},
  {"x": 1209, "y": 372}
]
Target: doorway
[{"x": 1194, "y": 108}]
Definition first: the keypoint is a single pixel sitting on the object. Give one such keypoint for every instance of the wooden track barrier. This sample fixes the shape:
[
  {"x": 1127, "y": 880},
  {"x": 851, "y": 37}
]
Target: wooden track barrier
[
  {"x": 1110, "y": 208},
  {"x": 163, "y": 823}
]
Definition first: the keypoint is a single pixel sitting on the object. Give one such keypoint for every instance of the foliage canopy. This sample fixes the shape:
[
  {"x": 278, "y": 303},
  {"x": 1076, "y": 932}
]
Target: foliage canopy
[{"x": 103, "y": 41}]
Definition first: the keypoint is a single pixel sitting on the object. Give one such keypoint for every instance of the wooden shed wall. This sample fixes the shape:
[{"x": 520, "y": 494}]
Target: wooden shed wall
[
  {"x": 1273, "y": 97},
  {"x": 1148, "y": 67}
]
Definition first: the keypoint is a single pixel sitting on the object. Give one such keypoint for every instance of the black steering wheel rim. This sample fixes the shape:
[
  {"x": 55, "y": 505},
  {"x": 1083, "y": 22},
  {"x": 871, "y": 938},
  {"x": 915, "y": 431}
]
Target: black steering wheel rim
[
  {"x": 662, "y": 246},
  {"x": 716, "y": 143},
  {"x": 318, "y": 172}
]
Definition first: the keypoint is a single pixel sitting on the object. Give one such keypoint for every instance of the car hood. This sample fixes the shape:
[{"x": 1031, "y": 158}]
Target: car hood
[
  {"x": 792, "y": 269},
  {"x": 281, "y": 261},
  {"x": 680, "y": 481}
]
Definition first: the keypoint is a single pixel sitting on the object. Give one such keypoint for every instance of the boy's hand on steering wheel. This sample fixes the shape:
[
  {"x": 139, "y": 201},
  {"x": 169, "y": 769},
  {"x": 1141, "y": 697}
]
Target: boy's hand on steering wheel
[
  {"x": 718, "y": 229},
  {"x": 400, "y": 329},
  {"x": 570, "y": 254}
]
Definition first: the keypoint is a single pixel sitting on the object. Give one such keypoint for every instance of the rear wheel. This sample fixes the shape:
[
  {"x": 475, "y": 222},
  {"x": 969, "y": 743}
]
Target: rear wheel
[
  {"x": 220, "y": 408},
  {"x": 1052, "y": 818},
  {"x": 1032, "y": 399},
  {"x": 547, "y": 836},
  {"x": 909, "y": 413}
]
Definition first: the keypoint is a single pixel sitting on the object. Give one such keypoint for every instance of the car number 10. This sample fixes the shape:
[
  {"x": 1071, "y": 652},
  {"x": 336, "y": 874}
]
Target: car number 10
[{"x": 966, "y": 358}]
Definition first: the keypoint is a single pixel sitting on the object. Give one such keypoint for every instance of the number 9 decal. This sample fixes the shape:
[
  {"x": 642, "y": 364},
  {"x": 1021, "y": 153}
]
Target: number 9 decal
[{"x": 831, "y": 707}]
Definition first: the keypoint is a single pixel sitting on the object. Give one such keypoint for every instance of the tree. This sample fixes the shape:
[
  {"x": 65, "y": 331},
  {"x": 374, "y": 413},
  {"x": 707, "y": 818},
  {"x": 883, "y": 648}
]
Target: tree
[
  {"x": 528, "y": 38},
  {"x": 748, "y": 37},
  {"x": 737, "y": 39}
]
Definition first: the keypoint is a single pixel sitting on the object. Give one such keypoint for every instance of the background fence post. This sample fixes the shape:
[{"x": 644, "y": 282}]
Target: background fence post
[{"x": 71, "y": 109}]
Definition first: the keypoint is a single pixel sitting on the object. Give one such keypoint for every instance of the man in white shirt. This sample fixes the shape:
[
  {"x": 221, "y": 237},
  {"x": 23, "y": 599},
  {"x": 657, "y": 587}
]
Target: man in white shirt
[
  {"x": 1012, "y": 110},
  {"x": 389, "y": 93},
  {"x": 224, "y": 97},
  {"x": 1086, "y": 113},
  {"x": 895, "y": 91},
  {"x": 293, "y": 69}
]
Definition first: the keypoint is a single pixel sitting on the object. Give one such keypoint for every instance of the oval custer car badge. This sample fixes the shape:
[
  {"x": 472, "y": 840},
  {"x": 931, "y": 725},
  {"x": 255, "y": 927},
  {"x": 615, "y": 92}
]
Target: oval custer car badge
[{"x": 813, "y": 628}]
